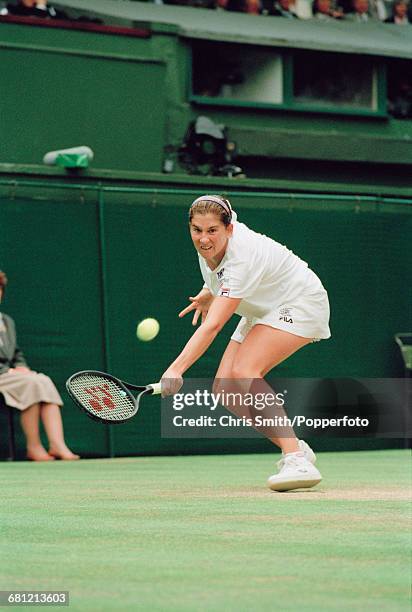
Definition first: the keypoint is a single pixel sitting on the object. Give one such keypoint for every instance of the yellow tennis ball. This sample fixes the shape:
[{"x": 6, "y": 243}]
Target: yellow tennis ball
[{"x": 147, "y": 329}]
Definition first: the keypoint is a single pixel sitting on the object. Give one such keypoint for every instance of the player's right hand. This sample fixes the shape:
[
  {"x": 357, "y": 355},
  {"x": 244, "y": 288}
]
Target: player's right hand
[
  {"x": 171, "y": 382},
  {"x": 200, "y": 304}
]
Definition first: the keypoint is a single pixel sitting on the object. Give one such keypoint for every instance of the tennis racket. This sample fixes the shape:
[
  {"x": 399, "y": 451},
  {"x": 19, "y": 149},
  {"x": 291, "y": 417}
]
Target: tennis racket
[{"x": 105, "y": 398}]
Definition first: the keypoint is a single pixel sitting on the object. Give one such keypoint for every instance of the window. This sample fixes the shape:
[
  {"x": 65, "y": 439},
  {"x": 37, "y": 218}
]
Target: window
[
  {"x": 297, "y": 80},
  {"x": 332, "y": 80},
  {"x": 237, "y": 73}
]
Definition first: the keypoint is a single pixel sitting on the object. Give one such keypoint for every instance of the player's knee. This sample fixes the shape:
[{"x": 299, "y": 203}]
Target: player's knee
[{"x": 244, "y": 370}]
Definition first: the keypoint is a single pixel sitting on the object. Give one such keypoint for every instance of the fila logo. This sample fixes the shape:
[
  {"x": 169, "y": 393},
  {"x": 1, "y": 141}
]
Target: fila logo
[
  {"x": 285, "y": 315},
  {"x": 224, "y": 292}
]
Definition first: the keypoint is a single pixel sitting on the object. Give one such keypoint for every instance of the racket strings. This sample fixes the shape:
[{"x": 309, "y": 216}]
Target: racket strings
[{"x": 103, "y": 397}]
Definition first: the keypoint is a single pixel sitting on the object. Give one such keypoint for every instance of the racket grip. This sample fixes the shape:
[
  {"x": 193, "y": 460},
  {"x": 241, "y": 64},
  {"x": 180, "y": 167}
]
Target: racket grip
[{"x": 157, "y": 388}]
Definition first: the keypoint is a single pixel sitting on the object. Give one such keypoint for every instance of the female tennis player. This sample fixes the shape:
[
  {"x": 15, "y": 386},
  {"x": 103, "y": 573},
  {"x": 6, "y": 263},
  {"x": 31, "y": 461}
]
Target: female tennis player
[{"x": 282, "y": 304}]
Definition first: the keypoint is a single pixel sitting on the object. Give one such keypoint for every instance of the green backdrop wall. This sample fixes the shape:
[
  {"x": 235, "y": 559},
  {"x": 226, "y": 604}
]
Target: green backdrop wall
[{"x": 85, "y": 265}]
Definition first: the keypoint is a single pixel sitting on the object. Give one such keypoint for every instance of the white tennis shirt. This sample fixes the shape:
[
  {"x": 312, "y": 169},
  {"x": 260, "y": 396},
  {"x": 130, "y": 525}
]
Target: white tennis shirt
[{"x": 260, "y": 271}]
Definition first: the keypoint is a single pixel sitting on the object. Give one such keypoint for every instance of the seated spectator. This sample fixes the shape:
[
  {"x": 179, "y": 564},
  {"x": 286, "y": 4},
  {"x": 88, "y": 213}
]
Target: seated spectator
[
  {"x": 380, "y": 9},
  {"x": 399, "y": 13},
  {"x": 322, "y": 9},
  {"x": 34, "y": 8},
  {"x": 303, "y": 9},
  {"x": 253, "y": 7},
  {"x": 32, "y": 393},
  {"x": 360, "y": 11},
  {"x": 282, "y": 8}
]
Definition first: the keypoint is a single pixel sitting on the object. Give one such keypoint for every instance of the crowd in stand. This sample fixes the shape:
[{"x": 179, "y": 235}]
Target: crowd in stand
[
  {"x": 33, "y": 8},
  {"x": 398, "y": 12},
  {"x": 41, "y": 9}
]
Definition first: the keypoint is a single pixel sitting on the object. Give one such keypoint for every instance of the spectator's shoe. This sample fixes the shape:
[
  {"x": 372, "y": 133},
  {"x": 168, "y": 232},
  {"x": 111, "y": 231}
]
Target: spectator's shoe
[
  {"x": 296, "y": 473},
  {"x": 307, "y": 453}
]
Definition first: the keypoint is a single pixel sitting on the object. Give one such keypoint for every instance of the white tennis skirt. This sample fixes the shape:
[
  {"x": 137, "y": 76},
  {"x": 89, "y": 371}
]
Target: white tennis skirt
[
  {"x": 307, "y": 316},
  {"x": 21, "y": 390}
]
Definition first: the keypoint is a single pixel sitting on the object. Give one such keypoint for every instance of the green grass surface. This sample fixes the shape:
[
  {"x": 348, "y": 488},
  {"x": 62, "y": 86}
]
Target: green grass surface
[{"x": 203, "y": 533}]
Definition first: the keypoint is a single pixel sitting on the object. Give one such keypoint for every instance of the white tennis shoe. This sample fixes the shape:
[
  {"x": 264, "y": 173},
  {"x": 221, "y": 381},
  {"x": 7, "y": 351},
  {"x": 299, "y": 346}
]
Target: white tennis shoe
[
  {"x": 296, "y": 473},
  {"x": 307, "y": 453}
]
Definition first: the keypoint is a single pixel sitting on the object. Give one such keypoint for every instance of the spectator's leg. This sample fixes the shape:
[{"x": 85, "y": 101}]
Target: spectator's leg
[
  {"x": 12, "y": 442},
  {"x": 30, "y": 424},
  {"x": 53, "y": 424}
]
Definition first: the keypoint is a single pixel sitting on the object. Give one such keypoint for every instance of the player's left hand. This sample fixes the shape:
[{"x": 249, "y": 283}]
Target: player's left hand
[
  {"x": 200, "y": 304},
  {"x": 171, "y": 382}
]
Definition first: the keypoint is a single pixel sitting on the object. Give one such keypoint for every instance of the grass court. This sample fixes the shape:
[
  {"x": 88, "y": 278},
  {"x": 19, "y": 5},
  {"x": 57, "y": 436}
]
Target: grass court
[{"x": 203, "y": 533}]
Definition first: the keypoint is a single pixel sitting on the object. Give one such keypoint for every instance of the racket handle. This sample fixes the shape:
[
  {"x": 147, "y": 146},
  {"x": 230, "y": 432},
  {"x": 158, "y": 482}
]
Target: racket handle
[{"x": 157, "y": 388}]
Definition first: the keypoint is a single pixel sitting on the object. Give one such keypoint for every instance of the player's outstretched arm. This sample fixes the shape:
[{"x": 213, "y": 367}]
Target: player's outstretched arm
[{"x": 219, "y": 313}]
